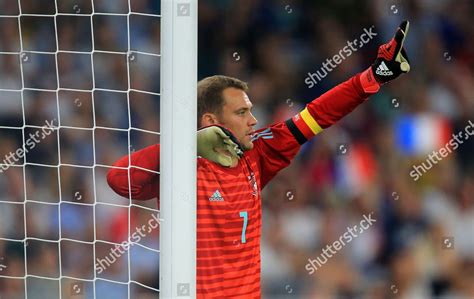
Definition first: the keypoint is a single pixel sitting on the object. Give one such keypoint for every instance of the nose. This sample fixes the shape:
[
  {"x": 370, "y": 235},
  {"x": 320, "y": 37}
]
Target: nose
[{"x": 253, "y": 121}]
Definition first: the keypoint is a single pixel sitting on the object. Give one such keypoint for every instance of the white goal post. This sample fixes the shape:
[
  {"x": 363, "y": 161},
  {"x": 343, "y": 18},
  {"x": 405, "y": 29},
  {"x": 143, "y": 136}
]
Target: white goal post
[{"x": 178, "y": 148}]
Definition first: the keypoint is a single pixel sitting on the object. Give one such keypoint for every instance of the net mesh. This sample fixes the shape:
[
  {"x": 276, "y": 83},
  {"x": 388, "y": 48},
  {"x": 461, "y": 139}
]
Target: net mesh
[{"x": 79, "y": 88}]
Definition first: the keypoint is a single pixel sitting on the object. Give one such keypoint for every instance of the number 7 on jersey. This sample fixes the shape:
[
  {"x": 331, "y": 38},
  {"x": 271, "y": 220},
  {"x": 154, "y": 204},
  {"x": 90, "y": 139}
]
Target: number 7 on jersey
[{"x": 243, "y": 214}]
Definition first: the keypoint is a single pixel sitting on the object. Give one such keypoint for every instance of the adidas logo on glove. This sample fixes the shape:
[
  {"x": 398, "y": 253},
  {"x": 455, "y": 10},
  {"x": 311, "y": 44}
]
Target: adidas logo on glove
[
  {"x": 391, "y": 62},
  {"x": 383, "y": 70}
]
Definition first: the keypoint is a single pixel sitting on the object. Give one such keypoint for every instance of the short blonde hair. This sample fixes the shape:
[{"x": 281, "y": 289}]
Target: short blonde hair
[{"x": 209, "y": 93}]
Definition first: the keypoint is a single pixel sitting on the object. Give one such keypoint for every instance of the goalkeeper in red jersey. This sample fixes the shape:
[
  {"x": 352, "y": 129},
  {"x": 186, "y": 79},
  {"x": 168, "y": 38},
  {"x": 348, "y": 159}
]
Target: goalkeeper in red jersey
[{"x": 235, "y": 163}]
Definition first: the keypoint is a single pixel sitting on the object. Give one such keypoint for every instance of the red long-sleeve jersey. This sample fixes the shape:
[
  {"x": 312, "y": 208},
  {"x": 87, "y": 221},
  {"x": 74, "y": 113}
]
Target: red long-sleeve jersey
[{"x": 229, "y": 211}]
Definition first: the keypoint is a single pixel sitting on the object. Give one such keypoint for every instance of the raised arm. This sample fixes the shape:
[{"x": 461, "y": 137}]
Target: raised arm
[
  {"x": 329, "y": 108},
  {"x": 144, "y": 184},
  {"x": 276, "y": 145}
]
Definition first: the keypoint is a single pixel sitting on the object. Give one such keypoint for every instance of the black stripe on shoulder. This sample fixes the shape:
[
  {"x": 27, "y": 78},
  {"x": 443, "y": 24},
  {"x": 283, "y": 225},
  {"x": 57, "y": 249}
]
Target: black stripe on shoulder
[{"x": 295, "y": 131}]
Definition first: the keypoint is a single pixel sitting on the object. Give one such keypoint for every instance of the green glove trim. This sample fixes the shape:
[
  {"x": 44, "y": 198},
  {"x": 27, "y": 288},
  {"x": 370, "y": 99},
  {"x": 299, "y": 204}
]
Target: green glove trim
[{"x": 219, "y": 145}]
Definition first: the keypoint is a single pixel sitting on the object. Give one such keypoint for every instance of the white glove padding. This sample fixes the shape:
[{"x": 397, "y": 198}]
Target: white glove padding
[{"x": 218, "y": 144}]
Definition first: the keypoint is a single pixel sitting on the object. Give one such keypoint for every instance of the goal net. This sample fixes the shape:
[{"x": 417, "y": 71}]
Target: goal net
[{"x": 80, "y": 87}]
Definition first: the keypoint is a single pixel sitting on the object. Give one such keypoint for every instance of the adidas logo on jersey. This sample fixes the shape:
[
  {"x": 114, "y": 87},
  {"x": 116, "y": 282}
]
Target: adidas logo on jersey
[
  {"x": 383, "y": 70},
  {"x": 216, "y": 196}
]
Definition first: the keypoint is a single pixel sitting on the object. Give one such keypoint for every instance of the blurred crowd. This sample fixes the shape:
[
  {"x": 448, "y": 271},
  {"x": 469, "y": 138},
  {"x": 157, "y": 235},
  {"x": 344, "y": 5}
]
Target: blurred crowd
[{"x": 422, "y": 243}]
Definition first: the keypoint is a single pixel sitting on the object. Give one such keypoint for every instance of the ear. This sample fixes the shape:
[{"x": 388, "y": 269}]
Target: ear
[{"x": 208, "y": 119}]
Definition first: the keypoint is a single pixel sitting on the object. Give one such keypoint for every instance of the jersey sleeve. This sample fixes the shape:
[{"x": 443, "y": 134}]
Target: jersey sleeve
[
  {"x": 278, "y": 144},
  {"x": 144, "y": 177},
  {"x": 328, "y": 109},
  {"x": 276, "y": 147}
]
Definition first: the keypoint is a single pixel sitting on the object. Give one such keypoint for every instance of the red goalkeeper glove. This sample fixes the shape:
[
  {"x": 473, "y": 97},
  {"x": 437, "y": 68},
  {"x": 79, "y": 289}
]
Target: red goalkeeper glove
[{"x": 391, "y": 62}]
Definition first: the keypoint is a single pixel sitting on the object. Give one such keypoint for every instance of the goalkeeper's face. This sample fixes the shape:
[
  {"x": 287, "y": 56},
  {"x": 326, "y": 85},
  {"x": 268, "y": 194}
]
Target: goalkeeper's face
[{"x": 237, "y": 116}]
